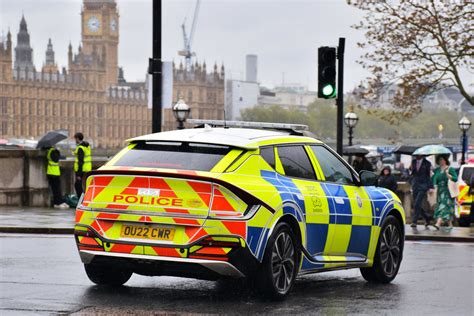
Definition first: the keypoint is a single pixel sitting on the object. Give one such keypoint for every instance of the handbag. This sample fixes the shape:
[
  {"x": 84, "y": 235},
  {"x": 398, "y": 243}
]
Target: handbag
[
  {"x": 431, "y": 198},
  {"x": 453, "y": 188}
]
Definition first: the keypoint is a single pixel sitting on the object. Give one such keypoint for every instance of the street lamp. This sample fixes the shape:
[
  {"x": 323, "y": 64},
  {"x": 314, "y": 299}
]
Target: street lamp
[
  {"x": 464, "y": 125},
  {"x": 351, "y": 119},
  {"x": 181, "y": 113}
]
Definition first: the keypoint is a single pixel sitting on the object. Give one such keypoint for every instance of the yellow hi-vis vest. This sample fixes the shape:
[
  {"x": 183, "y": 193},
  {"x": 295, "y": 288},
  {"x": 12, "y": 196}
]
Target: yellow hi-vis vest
[
  {"x": 53, "y": 167},
  {"x": 87, "y": 166}
]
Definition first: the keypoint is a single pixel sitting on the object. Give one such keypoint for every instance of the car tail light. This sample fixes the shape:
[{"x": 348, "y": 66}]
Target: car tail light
[{"x": 226, "y": 204}]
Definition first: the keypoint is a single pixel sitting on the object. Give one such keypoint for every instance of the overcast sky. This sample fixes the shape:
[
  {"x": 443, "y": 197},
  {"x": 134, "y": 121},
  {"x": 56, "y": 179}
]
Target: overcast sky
[{"x": 285, "y": 34}]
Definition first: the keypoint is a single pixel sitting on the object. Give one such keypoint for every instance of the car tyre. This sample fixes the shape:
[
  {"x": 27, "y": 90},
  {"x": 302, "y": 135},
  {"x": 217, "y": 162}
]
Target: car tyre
[
  {"x": 279, "y": 268},
  {"x": 388, "y": 254},
  {"x": 464, "y": 222},
  {"x": 106, "y": 275}
]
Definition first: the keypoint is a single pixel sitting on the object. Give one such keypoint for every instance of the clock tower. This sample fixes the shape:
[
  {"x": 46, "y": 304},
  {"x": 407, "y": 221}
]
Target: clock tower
[{"x": 100, "y": 34}]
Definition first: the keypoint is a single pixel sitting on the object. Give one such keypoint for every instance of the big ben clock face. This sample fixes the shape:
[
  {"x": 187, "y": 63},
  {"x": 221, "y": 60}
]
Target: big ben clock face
[{"x": 93, "y": 24}]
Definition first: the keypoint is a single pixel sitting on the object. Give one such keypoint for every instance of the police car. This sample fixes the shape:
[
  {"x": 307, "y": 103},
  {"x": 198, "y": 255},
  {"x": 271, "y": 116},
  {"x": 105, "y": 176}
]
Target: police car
[
  {"x": 213, "y": 202},
  {"x": 464, "y": 200}
]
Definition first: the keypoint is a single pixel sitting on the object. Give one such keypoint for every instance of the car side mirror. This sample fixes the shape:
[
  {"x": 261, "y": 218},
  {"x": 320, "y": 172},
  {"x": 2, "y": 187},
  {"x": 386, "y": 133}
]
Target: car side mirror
[{"x": 368, "y": 178}]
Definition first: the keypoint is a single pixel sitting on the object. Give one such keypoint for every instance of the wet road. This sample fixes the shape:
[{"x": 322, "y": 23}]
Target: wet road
[{"x": 42, "y": 274}]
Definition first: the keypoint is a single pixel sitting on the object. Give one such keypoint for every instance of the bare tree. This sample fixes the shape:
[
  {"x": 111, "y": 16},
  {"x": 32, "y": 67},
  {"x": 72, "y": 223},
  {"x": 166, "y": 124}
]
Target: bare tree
[{"x": 418, "y": 46}]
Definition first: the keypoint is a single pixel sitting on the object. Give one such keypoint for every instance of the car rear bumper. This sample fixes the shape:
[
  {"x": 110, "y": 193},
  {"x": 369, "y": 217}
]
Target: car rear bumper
[
  {"x": 211, "y": 257},
  {"x": 157, "y": 265}
]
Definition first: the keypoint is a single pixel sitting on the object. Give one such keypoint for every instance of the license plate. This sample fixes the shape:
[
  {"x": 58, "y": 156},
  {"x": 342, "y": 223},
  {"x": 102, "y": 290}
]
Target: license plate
[{"x": 147, "y": 232}]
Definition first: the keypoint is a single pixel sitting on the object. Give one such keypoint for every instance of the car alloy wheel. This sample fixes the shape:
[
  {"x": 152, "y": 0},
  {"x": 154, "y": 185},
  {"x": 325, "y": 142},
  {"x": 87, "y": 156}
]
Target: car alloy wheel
[
  {"x": 283, "y": 262},
  {"x": 390, "y": 249}
]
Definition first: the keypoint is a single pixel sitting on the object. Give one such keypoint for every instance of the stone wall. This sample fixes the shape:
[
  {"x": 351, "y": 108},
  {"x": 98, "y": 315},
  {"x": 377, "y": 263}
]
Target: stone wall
[{"x": 23, "y": 179}]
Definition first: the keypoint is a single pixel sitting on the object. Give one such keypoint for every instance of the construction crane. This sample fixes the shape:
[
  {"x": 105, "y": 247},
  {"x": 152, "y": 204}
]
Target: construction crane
[{"x": 187, "y": 52}]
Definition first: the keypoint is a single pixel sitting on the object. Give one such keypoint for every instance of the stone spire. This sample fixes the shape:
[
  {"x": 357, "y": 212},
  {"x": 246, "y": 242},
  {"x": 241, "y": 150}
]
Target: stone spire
[
  {"x": 50, "y": 64},
  {"x": 50, "y": 54},
  {"x": 69, "y": 54},
  {"x": 23, "y": 50}
]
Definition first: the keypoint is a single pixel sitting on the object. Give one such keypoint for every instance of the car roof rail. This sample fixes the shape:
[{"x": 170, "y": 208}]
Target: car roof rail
[{"x": 292, "y": 129}]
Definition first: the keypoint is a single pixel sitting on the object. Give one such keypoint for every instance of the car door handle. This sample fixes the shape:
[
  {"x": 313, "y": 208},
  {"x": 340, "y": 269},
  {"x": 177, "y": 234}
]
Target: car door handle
[{"x": 339, "y": 200}]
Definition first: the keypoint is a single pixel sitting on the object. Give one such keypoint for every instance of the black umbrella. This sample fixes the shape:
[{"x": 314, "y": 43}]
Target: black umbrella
[
  {"x": 51, "y": 138},
  {"x": 354, "y": 150},
  {"x": 405, "y": 149}
]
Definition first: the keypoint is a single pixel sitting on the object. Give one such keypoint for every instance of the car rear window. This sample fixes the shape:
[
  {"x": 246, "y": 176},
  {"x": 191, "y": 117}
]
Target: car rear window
[
  {"x": 176, "y": 155},
  {"x": 467, "y": 174}
]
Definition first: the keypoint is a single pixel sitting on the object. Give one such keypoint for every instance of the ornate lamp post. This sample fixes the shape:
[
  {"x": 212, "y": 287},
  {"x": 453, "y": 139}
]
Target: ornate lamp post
[
  {"x": 464, "y": 125},
  {"x": 181, "y": 112},
  {"x": 351, "y": 119}
]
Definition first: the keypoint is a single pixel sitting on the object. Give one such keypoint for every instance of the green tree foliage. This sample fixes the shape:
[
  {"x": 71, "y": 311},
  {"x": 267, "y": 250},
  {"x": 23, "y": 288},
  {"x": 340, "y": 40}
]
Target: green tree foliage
[
  {"x": 417, "y": 46},
  {"x": 321, "y": 119}
]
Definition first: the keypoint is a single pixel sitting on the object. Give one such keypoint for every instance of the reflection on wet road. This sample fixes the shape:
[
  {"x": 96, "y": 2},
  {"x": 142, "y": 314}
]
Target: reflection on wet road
[{"x": 43, "y": 274}]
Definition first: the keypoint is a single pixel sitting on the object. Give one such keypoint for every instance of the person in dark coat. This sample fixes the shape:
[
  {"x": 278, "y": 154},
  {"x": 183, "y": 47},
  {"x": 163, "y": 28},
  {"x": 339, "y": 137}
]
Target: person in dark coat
[
  {"x": 361, "y": 163},
  {"x": 420, "y": 172},
  {"x": 387, "y": 179}
]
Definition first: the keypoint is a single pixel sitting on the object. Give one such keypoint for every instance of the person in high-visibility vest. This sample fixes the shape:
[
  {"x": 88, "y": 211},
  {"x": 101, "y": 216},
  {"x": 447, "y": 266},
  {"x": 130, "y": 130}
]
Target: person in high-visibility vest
[
  {"x": 82, "y": 161},
  {"x": 53, "y": 173}
]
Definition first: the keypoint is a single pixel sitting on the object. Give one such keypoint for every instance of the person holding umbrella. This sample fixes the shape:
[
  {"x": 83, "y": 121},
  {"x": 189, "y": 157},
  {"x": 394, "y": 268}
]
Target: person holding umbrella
[
  {"x": 362, "y": 163},
  {"x": 444, "y": 202},
  {"x": 53, "y": 172},
  {"x": 420, "y": 172},
  {"x": 421, "y": 178}
]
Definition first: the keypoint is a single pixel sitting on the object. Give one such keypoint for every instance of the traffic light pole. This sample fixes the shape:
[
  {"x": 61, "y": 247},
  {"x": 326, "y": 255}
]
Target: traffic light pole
[
  {"x": 154, "y": 68},
  {"x": 340, "y": 93}
]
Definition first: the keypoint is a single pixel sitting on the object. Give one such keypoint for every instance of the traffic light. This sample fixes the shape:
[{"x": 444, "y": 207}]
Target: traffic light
[{"x": 327, "y": 72}]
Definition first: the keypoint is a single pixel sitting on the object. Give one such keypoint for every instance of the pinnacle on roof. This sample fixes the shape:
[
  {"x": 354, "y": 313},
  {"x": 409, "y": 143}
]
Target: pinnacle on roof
[{"x": 23, "y": 23}]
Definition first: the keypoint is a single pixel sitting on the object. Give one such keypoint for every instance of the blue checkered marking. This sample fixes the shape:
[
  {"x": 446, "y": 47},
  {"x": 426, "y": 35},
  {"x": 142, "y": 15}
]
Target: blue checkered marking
[
  {"x": 286, "y": 188},
  {"x": 379, "y": 201},
  {"x": 360, "y": 239},
  {"x": 317, "y": 237},
  {"x": 253, "y": 236},
  {"x": 343, "y": 211},
  {"x": 261, "y": 251}
]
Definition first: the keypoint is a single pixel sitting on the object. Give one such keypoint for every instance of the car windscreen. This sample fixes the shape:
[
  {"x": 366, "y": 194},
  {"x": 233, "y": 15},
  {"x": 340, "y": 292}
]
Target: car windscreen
[{"x": 173, "y": 155}]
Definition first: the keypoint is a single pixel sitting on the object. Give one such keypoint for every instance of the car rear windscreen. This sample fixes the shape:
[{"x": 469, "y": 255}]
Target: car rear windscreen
[
  {"x": 173, "y": 155},
  {"x": 467, "y": 174}
]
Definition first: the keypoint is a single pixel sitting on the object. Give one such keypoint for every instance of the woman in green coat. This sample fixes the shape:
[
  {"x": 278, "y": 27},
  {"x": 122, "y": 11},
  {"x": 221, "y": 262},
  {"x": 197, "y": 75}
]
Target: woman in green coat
[{"x": 444, "y": 202}]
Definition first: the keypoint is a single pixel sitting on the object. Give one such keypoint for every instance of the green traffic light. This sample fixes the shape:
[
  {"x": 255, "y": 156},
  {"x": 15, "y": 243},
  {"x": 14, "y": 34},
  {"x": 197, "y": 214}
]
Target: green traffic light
[{"x": 328, "y": 90}]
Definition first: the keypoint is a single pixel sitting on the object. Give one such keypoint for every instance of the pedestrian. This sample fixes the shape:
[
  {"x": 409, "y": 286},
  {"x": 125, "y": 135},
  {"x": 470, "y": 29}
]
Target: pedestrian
[
  {"x": 53, "y": 173},
  {"x": 420, "y": 184},
  {"x": 444, "y": 202},
  {"x": 82, "y": 161},
  {"x": 387, "y": 179},
  {"x": 361, "y": 163}
]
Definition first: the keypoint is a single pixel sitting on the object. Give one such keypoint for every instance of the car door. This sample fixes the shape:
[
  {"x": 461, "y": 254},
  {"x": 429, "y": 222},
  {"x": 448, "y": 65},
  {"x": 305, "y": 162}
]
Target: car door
[
  {"x": 294, "y": 163},
  {"x": 352, "y": 224}
]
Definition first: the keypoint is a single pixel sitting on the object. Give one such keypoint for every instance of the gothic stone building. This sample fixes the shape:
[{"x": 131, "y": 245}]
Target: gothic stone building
[{"x": 91, "y": 95}]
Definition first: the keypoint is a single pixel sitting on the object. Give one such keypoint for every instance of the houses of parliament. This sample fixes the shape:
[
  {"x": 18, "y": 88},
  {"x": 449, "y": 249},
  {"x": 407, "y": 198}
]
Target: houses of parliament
[{"x": 90, "y": 94}]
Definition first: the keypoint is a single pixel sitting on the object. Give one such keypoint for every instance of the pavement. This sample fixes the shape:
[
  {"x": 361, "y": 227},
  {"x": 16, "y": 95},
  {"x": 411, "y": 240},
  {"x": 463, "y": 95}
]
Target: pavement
[
  {"x": 43, "y": 275},
  {"x": 61, "y": 221}
]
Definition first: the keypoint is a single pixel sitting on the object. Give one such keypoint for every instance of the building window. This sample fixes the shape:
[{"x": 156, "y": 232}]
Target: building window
[
  {"x": 190, "y": 96},
  {"x": 3, "y": 106},
  {"x": 38, "y": 108}
]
